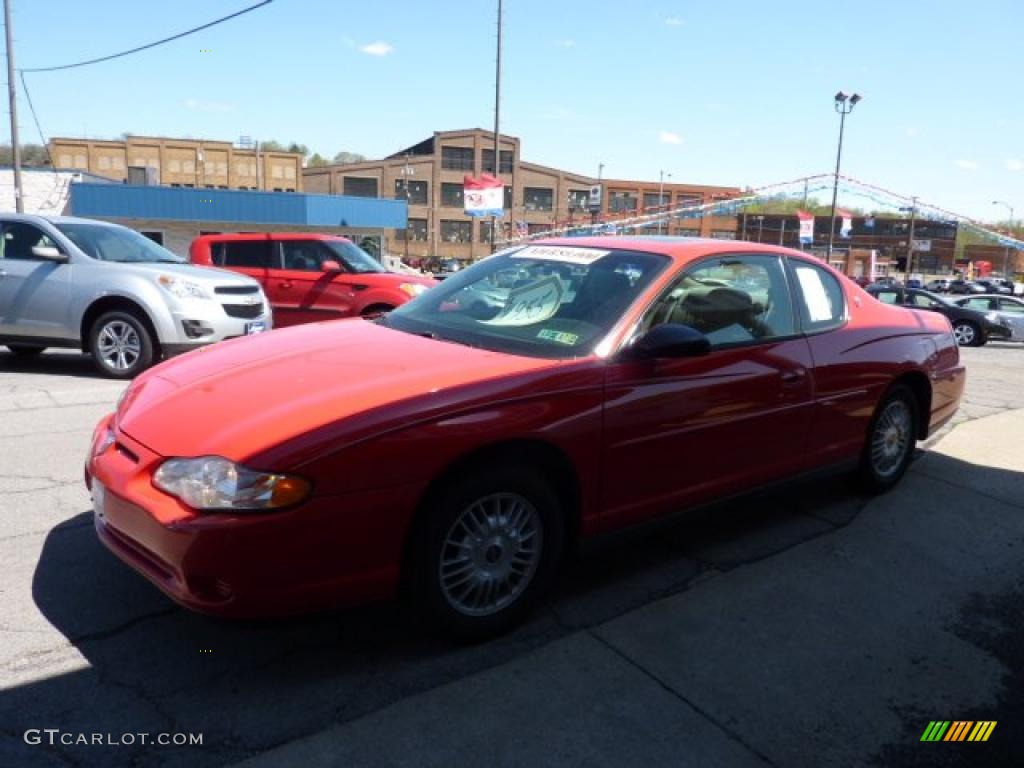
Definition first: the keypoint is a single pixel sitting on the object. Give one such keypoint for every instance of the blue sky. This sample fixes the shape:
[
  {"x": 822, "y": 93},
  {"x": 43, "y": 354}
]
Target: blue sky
[{"x": 735, "y": 93}]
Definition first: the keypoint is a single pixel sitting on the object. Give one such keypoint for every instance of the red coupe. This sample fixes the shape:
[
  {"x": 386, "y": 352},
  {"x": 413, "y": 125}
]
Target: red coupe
[{"x": 456, "y": 448}]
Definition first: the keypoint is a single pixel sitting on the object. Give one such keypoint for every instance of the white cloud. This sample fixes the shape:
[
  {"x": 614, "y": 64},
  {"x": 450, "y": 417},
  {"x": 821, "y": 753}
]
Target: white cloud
[
  {"x": 1015, "y": 164},
  {"x": 913, "y": 132},
  {"x": 673, "y": 21},
  {"x": 667, "y": 137},
  {"x": 568, "y": 43},
  {"x": 198, "y": 105},
  {"x": 377, "y": 49},
  {"x": 967, "y": 165}
]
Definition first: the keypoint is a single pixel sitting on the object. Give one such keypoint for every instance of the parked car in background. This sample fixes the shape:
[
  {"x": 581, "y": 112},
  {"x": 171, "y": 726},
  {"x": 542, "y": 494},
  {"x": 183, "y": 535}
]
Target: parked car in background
[
  {"x": 67, "y": 282},
  {"x": 455, "y": 451},
  {"x": 1009, "y": 309},
  {"x": 939, "y": 285},
  {"x": 309, "y": 277},
  {"x": 965, "y": 286},
  {"x": 995, "y": 285},
  {"x": 443, "y": 268},
  {"x": 890, "y": 280},
  {"x": 914, "y": 283},
  {"x": 970, "y": 327}
]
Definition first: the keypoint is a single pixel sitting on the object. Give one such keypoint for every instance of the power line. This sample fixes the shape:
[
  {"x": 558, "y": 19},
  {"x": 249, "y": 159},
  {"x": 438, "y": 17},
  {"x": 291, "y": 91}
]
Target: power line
[
  {"x": 150, "y": 45},
  {"x": 35, "y": 119}
]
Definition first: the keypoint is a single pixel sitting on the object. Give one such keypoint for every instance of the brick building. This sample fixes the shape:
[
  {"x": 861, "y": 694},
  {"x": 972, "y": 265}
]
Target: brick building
[
  {"x": 195, "y": 163},
  {"x": 430, "y": 175}
]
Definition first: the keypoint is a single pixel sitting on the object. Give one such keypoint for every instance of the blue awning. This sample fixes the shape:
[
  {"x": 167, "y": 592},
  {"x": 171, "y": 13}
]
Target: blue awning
[{"x": 123, "y": 201}]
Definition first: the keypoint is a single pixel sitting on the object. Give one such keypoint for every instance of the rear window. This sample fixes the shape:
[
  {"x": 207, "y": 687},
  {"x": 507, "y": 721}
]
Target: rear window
[{"x": 254, "y": 254}]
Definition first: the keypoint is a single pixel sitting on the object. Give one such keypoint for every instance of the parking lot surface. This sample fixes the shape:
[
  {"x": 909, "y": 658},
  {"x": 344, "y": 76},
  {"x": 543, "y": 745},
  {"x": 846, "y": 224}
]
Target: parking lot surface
[{"x": 810, "y": 626}]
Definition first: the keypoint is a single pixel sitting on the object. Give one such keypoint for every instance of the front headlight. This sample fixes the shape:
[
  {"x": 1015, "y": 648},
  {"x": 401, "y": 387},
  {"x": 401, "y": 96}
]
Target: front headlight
[
  {"x": 182, "y": 289},
  {"x": 413, "y": 289},
  {"x": 216, "y": 483}
]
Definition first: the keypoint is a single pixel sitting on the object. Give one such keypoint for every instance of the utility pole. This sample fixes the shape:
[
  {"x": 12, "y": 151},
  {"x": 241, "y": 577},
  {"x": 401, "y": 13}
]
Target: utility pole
[
  {"x": 406, "y": 172},
  {"x": 596, "y": 211},
  {"x": 497, "y": 113},
  {"x": 910, "y": 240},
  {"x": 12, "y": 99}
]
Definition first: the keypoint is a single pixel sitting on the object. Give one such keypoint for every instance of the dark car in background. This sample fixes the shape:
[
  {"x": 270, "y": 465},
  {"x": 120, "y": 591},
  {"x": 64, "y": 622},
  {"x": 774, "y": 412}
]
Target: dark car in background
[
  {"x": 971, "y": 328},
  {"x": 995, "y": 285},
  {"x": 966, "y": 286}
]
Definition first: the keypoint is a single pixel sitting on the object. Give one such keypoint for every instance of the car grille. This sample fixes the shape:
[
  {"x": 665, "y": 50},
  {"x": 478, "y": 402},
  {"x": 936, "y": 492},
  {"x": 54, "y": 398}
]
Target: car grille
[
  {"x": 237, "y": 290},
  {"x": 245, "y": 311}
]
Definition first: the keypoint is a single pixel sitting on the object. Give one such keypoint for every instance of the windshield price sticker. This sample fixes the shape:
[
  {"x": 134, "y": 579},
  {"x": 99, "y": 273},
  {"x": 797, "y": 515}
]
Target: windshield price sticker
[
  {"x": 569, "y": 255},
  {"x": 533, "y": 303},
  {"x": 562, "y": 337}
]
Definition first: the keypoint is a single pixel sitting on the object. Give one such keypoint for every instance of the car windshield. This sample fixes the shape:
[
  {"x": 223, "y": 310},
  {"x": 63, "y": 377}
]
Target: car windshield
[
  {"x": 110, "y": 243},
  {"x": 540, "y": 301},
  {"x": 354, "y": 257}
]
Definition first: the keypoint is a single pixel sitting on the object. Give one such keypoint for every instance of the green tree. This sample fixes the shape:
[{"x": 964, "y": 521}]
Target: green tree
[
  {"x": 349, "y": 157},
  {"x": 32, "y": 155},
  {"x": 317, "y": 161}
]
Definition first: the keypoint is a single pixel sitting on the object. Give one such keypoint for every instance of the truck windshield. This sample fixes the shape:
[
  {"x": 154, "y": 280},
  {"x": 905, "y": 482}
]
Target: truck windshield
[{"x": 109, "y": 243}]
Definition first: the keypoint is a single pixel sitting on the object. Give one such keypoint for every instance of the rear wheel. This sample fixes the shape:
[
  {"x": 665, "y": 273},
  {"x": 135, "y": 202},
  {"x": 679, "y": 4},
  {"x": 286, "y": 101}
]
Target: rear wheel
[
  {"x": 967, "y": 334},
  {"x": 892, "y": 437},
  {"x": 25, "y": 350},
  {"x": 485, "y": 550},
  {"x": 121, "y": 345}
]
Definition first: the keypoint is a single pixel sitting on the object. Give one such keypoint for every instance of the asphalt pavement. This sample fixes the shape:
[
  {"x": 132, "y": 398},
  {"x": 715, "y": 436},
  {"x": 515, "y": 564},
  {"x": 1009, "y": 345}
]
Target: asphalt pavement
[{"x": 809, "y": 627}]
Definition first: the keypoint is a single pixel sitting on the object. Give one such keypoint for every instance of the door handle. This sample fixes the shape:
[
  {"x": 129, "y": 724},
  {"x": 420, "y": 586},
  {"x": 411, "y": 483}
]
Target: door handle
[
  {"x": 793, "y": 375},
  {"x": 285, "y": 285}
]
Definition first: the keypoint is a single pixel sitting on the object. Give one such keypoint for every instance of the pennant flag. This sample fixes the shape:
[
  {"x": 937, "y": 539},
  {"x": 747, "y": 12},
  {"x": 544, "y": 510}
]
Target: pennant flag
[
  {"x": 806, "y": 227},
  {"x": 847, "y": 223},
  {"x": 484, "y": 197}
]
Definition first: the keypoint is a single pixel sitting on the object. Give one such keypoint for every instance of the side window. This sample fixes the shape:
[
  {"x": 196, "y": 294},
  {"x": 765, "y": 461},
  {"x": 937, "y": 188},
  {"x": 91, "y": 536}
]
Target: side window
[
  {"x": 887, "y": 297},
  {"x": 819, "y": 297},
  {"x": 731, "y": 300},
  {"x": 19, "y": 239},
  {"x": 304, "y": 255},
  {"x": 1013, "y": 307},
  {"x": 982, "y": 305},
  {"x": 253, "y": 254},
  {"x": 920, "y": 300}
]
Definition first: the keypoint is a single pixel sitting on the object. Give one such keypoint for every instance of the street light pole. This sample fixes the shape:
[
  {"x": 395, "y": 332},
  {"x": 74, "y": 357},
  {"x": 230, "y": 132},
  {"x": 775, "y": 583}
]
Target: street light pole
[
  {"x": 1006, "y": 254},
  {"x": 12, "y": 100},
  {"x": 497, "y": 113},
  {"x": 910, "y": 240},
  {"x": 661, "y": 195},
  {"x": 843, "y": 105}
]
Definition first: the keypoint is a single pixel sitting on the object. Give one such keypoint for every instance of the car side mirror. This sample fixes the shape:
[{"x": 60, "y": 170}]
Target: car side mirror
[
  {"x": 330, "y": 266},
  {"x": 49, "y": 253},
  {"x": 668, "y": 340}
]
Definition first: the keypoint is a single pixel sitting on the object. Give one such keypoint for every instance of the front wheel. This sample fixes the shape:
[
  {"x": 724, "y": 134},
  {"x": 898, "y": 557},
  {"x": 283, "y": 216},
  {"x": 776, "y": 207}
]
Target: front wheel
[
  {"x": 485, "y": 550},
  {"x": 121, "y": 345},
  {"x": 891, "y": 440},
  {"x": 967, "y": 334}
]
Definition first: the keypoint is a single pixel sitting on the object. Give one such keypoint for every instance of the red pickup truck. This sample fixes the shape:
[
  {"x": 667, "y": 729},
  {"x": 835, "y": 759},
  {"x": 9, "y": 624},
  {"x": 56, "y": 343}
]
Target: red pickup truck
[{"x": 309, "y": 277}]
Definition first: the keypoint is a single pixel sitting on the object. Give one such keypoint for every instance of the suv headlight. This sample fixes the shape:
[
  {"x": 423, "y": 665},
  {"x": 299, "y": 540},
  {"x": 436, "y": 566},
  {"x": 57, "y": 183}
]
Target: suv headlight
[
  {"x": 215, "y": 483},
  {"x": 182, "y": 289},
  {"x": 413, "y": 289}
]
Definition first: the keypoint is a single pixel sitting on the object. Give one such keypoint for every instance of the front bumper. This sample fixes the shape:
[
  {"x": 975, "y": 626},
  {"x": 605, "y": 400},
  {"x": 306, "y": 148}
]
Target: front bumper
[
  {"x": 195, "y": 324},
  {"x": 328, "y": 552}
]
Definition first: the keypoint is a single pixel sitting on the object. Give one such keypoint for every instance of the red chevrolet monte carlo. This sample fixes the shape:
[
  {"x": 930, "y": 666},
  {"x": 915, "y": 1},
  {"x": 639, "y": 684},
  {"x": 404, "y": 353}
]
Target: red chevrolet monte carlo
[{"x": 454, "y": 450}]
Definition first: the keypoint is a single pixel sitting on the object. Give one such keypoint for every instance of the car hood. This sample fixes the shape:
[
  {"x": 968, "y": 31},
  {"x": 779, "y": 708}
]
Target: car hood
[
  {"x": 244, "y": 397},
  {"x": 205, "y": 275}
]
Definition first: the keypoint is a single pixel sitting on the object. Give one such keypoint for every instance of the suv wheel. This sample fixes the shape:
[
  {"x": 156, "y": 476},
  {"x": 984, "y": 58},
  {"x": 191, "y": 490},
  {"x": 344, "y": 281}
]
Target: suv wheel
[{"x": 121, "y": 345}]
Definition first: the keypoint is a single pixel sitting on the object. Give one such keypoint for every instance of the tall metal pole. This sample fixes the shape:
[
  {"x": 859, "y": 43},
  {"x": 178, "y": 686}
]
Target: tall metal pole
[
  {"x": 661, "y": 195},
  {"x": 835, "y": 181},
  {"x": 497, "y": 114},
  {"x": 12, "y": 99},
  {"x": 910, "y": 240}
]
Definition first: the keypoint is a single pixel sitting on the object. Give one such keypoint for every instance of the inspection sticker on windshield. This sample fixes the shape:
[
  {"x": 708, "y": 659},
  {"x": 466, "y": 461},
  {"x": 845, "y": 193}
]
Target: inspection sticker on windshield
[
  {"x": 568, "y": 254},
  {"x": 533, "y": 303},
  {"x": 560, "y": 336}
]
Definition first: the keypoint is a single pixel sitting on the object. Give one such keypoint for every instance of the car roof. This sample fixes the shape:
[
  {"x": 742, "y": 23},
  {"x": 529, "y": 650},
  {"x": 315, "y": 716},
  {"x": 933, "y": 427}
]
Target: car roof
[
  {"x": 988, "y": 296},
  {"x": 277, "y": 235},
  {"x": 35, "y": 218},
  {"x": 680, "y": 249}
]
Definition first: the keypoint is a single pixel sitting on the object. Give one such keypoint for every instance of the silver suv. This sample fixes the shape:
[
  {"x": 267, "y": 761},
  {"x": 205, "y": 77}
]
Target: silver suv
[{"x": 67, "y": 282}]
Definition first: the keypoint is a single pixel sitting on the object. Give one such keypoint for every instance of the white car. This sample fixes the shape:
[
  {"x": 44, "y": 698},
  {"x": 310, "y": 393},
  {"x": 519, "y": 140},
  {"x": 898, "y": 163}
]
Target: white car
[
  {"x": 1010, "y": 310},
  {"x": 104, "y": 288}
]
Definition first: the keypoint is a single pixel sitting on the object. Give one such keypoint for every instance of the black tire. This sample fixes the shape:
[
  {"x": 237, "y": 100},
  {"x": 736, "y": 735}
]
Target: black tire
[
  {"x": 968, "y": 334},
  {"x": 886, "y": 455},
  {"x": 376, "y": 310},
  {"x": 137, "y": 356},
  {"x": 434, "y": 604},
  {"x": 25, "y": 351}
]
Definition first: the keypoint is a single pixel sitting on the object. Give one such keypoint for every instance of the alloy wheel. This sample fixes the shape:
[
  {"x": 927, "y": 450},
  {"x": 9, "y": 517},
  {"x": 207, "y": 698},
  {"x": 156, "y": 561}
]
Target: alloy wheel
[
  {"x": 891, "y": 439},
  {"x": 119, "y": 345}
]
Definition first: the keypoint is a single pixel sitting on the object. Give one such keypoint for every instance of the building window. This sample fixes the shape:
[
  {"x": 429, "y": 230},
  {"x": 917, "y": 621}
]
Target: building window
[
  {"x": 619, "y": 202},
  {"x": 487, "y": 161},
  {"x": 456, "y": 231},
  {"x": 357, "y": 186},
  {"x": 538, "y": 198},
  {"x": 579, "y": 199},
  {"x": 654, "y": 202},
  {"x": 276, "y": 172},
  {"x": 723, "y": 234},
  {"x": 118, "y": 163},
  {"x": 104, "y": 162},
  {"x": 82, "y": 162},
  {"x": 174, "y": 166},
  {"x": 452, "y": 195},
  {"x": 485, "y": 231},
  {"x": 188, "y": 166},
  {"x": 416, "y": 230},
  {"x": 153, "y": 234},
  {"x": 688, "y": 201},
  {"x": 536, "y": 229},
  {"x": 687, "y": 232},
  {"x": 507, "y": 202},
  {"x": 417, "y": 191},
  {"x": 457, "y": 158},
  {"x": 289, "y": 173}
]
